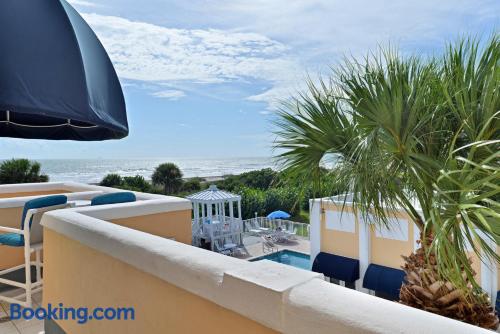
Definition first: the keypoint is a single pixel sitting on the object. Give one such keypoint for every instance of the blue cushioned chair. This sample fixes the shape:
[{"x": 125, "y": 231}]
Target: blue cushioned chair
[
  {"x": 30, "y": 237},
  {"x": 114, "y": 198}
]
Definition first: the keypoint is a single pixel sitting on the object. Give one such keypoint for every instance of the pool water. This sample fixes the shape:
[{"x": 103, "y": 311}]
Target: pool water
[{"x": 288, "y": 257}]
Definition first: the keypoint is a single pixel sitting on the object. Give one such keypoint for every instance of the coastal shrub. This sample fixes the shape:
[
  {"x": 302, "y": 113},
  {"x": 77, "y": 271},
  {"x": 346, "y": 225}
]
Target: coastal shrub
[
  {"x": 192, "y": 185},
  {"x": 259, "y": 179},
  {"x": 169, "y": 176},
  {"x": 286, "y": 199},
  {"x": 112, "y": 180},
  {"x": 21, "y": 171},
  {"x": 136, "y": 183},
  {"x": 252, "y": 201}
]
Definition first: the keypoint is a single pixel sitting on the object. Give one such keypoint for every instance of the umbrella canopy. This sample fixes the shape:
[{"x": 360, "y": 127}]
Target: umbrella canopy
[
  {"x": 56, "y": 79},
  {"x": 278, "y": 215}
]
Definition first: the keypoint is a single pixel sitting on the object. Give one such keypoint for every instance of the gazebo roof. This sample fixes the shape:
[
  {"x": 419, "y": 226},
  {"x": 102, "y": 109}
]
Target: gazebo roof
[{"x": 213, "y": 195}]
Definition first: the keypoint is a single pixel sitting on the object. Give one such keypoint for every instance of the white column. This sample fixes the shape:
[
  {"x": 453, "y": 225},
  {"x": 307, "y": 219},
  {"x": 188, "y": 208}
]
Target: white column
[
  {"x": 196, "y": 212},
  {"x": 209, "y": 211},
  {"x": 315, "y": 227},
  {"x": 224, "y": 210},
  {"x": 489, "y": 273},
  {"x": 239, "y": 209},
  {"x": 231, "y": 210},
  {"x": 203, "y": 211},
  {"x": 364, "y": 251},
  {"x": 416, "y": 237}
]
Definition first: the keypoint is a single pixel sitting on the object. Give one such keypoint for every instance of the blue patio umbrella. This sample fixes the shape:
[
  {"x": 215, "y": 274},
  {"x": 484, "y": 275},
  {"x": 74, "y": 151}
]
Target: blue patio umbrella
[
  {"x": 278, "y": 215},
  {"x": 56, "y": 79}
]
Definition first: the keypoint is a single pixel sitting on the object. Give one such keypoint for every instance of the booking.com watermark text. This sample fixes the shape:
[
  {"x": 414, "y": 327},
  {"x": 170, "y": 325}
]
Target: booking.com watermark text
[{"x": 81, "y": 315}]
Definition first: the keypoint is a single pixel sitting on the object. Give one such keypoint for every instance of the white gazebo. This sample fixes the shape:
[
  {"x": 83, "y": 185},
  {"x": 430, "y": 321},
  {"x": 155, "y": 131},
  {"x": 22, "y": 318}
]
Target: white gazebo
[{"x": 213, "y": 207}]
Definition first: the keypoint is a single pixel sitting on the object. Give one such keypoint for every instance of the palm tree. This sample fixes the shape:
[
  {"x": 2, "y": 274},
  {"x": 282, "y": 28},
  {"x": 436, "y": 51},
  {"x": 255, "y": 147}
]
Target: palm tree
[
  {"x": 421, "y": 135},
  {"x": 169, "y": 176}
]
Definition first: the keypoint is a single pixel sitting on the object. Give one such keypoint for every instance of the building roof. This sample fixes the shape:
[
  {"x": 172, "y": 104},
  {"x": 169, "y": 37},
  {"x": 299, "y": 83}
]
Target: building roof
[{"x": 213, "y": 194}]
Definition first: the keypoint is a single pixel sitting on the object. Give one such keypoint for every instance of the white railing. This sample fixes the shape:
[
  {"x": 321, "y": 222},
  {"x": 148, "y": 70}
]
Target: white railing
[
  {"x": 221, "y": 227},
  {"x": 301, "y": 229}
]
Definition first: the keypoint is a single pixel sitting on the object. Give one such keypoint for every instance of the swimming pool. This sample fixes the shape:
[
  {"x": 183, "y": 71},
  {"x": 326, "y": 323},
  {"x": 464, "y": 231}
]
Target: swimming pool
[{"x": 288, "y": 257}]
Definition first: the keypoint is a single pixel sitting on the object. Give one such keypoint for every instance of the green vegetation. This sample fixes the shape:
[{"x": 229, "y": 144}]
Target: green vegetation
[
  {"x": 409, "y": 130},
  {"x": 259, "y": 179},
  {"x": 134, "y": 183},
  {"x": 169, "y": 176},
  {"x": 262, "y": 191},
  {"x": 266, "y": 190},
  {"x": 21, "y": 171}
]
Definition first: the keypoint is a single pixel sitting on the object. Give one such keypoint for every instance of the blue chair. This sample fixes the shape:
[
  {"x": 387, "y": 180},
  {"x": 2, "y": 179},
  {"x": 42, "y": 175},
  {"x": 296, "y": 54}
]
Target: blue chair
[
  {"x": 113, "y": 198},
  {"x": 30, "y": 237}
]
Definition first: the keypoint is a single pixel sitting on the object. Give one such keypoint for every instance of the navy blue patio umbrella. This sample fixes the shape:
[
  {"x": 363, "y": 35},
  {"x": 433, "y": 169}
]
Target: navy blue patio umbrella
[{"x": 56, "y": 80}]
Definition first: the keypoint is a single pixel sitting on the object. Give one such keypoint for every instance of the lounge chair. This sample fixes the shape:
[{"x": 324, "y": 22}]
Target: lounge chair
[
  {"x": 219, "y": 248},
  {"x": 254, "y": 228},
  {"x": 268, "y": 245},
  {"x": 291, "y": 234},
  {"x": 30, "y": 237},
  {"x": 280, "y": 236}
]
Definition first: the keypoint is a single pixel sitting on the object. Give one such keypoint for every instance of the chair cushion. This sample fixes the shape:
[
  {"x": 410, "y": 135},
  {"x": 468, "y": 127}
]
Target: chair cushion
[
  {"x": 114, "y": 198},
  {"x": 42, "y": 202},
  {"x": 12, "y": 239}
]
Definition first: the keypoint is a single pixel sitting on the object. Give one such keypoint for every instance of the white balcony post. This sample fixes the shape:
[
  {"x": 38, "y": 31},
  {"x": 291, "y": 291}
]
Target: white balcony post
[
  {"x": 364, "y": 251},
  {"x": 315, "y": 227},
  {"x": 489, "y": 273},
  {"x": 196, "y": 212},
  {"x": 209, "y": 211},
  {"x": 231, "y": 210}
]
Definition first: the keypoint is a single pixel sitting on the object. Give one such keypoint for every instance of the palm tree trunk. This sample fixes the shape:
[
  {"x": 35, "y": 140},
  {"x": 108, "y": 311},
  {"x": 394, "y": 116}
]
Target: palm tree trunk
[{"x": 425, "y": 289}]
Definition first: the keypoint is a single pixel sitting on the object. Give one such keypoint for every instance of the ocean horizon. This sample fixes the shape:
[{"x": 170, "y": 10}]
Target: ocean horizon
[{"x": 93, "y": 170}]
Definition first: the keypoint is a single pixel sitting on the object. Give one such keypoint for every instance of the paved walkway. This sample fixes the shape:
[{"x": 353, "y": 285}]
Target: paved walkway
[{"x": 253, "y": 247}]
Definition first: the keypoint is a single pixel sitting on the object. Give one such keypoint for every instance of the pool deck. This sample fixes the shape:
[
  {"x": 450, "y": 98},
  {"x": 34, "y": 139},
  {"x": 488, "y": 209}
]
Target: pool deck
[
  {"x": 253, "y": 247},
  {"x": 21, "y": 326}
]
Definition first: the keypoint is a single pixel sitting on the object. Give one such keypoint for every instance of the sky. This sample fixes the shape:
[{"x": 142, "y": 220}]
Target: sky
[{"x": 204, "y": 78}]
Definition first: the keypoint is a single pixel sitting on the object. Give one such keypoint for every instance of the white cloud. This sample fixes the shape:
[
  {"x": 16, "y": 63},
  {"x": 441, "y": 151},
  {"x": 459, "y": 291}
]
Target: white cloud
[
  {"x": 170, "y": 94},
  {"x": 83, "y": 3},
  {"x": 277, "y": 41},
  {"x": 143, "y": 51}
]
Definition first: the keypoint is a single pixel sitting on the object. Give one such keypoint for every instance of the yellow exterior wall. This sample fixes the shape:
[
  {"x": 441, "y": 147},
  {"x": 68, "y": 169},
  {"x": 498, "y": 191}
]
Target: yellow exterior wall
[
  {"x": 34, "y": 193},
  {"x": 79, "y": 276},
  {"x": 476, "y": 265},
  {"x": 339, "y": 242},
  {"x": 11, "y": 256},
  {"x": 174, "y": 224},
  {"x": 387, "y": 252}
]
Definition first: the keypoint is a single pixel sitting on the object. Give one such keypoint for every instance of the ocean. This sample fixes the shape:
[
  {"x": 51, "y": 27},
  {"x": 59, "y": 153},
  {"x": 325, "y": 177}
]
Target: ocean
[{"x": 93, "y": 170}]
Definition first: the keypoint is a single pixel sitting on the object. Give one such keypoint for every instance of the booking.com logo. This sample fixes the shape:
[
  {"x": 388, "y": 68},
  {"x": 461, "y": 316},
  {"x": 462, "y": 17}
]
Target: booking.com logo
[{"x": 81, "y": 314}]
